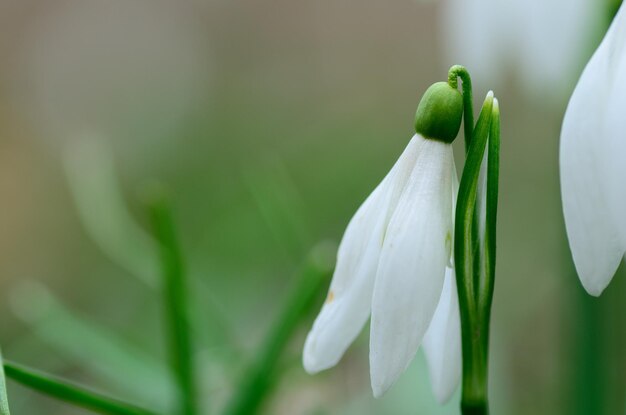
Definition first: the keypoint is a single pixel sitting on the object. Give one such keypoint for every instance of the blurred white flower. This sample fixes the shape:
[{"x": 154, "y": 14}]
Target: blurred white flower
[
  {"x": 543, "y": 42},
  {"x": 394, "y": 261},
  {"x": 593, "y": 162}
]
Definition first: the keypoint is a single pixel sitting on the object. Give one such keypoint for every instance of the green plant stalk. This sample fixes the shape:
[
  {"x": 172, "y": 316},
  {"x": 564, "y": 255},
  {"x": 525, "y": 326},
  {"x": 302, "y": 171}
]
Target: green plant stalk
[
  {"x": 474, "y": 330},
  {"x": 176, "y": 300},
  {"x": 591, "y": 382},
  {"x": 71, "y": 393},
  {"x": 4, "y": 401},
  {"x": 259, "y": 378}
]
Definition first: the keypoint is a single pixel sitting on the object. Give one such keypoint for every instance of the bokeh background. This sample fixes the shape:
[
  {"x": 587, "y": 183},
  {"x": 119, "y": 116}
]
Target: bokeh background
[{"x": 269, "y": 123}]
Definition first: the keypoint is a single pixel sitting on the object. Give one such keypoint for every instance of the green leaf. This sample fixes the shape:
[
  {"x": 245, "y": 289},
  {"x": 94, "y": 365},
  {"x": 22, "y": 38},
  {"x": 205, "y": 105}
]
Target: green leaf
[
  {"x": 69, "y": 392},
  {"x": 174, "y": 286},
  {"x": 475, "y": 332},
  {"x": 4, "y": 401},
  {"x": 260, "y": 377},
  {"x": 90, "y": 171},
  {"x": 98, "y": 196},
  {"x": 466, "y": 204},
  {"x": 123, "y": 366},
  {"x": 280, "y": 204},
  {"x": 493, "y": 174}
]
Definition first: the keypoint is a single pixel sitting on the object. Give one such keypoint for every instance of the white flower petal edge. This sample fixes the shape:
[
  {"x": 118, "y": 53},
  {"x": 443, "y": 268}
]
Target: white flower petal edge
[
  {"x": 412, "y": 265},
  {"x": 615, "y": 127},
  {"x": 442, "y": 342},
  {"x": 348, "y": 304},
  {"x": 590, "y": 140}
]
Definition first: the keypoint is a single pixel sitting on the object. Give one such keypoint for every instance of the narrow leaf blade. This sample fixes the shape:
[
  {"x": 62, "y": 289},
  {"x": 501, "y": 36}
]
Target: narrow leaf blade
[
  {"x": 259, "y": 378},
  {"x": 69, "y": 392},
  {"x": 79, "y": 339},
  {"x": 174, "y": 287},
  {"x": 466, "y": 203},
  {"x": 4, "y": 400},
  {"x": 493, "y": 174}
]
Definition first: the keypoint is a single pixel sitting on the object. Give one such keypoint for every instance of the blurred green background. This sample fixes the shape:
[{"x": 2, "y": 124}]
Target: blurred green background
[{"x": 270, "y": 122}]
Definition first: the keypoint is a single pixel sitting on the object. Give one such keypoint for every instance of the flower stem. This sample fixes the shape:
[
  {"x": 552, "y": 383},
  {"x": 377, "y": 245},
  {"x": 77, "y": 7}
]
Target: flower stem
[
  {"x": 71, "y": 393},
  {"x": 479, "y": 409},
  {"x": 474, "y": 398}
]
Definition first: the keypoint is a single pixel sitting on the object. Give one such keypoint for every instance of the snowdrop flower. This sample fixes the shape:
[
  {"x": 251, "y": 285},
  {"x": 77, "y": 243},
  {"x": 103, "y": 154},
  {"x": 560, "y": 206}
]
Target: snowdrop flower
[
  {"x": 537, "y": 39},
  {"x": 394, "y": 262},
  {"x": 592, "y": 159}
]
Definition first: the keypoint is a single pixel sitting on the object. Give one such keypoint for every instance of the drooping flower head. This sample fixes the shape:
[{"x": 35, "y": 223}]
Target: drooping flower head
[
  {"x": 593, "y": 162},
  {"x": 394, "y": 262}
]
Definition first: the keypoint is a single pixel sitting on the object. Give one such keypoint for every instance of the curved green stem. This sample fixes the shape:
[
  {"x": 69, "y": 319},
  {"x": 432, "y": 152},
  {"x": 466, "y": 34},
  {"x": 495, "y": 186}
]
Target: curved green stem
[{"x": 455, "y": 72}]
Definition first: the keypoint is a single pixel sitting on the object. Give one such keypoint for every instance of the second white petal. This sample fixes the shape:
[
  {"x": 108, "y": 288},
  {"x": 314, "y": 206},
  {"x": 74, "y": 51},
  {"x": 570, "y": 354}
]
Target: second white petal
[{"x": 412, "y": 265}]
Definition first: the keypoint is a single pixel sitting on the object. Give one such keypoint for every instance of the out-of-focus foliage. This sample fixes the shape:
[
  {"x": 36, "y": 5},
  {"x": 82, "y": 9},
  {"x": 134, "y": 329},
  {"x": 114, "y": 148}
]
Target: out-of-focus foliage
[{"x": 270, "y": 123}]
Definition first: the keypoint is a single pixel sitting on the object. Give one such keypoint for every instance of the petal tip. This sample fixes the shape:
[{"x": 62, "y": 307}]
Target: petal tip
[
  {"x": 381, "y": 377},
  {"x": 443, "y": 393},
  {"x": 311, "y": 360},
  {"x": 596, "y": 276},
  {"x": 379, "y": 390},
  {"x": 311, "y": 365},
  {"x": 310, "y": 368},
  {"x": 593, "y": 289}
]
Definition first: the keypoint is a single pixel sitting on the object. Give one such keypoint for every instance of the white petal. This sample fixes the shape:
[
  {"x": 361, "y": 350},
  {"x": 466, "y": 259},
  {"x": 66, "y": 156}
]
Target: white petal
[
  {"x": 615, "y": 128},
  {"x": 442, "y": 342},
  {"x": 412, "y": 265},
  {"x": 348, "y": 304},
  {"x": 590, "y": 142}
]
